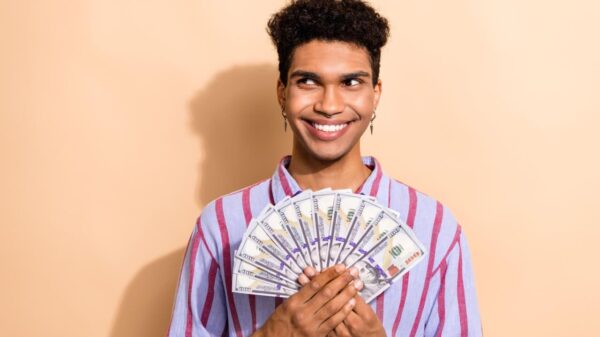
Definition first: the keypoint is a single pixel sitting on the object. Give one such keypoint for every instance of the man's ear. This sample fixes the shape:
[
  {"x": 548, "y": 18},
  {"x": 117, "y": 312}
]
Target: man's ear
[
  {"x": 281, "y": 94},
  {"x": 377, "y": 94}
]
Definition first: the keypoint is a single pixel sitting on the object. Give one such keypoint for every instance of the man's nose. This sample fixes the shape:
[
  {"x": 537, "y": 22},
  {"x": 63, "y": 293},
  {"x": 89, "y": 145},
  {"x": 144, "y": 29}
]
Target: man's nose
[{"x": 331, "y": 102}]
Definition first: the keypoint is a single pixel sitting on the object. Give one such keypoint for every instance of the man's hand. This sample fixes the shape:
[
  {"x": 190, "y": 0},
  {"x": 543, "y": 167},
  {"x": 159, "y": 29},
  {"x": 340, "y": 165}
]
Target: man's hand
[
  {"x": 320, "y": 305},
  {"x": 361, "y": 321}
]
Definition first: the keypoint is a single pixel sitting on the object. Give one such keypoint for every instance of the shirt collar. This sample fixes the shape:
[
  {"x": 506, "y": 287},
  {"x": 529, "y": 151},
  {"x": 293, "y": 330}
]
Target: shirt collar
[{"x": 283, "y": 184}]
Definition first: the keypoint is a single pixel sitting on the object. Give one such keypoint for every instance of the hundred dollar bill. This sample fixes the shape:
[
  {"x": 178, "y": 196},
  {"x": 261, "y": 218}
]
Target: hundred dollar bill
[
  {"x": 390, "y": 252},
  {"x": 393, "y": 212},
  {"x": 366, "y": 213},
  {"x": 375, "y": 280},
  {"x": 293, "y": 224},
  {"x": 398, "y": 254},
  {"x": 393, "y": 250},
  {"x": 333, "y": 229},
  {"x": 245, "y": 268},
  {"x": 347, "y": 206},
  {"x": 323, "y": 202},
  {"x": 375, "y": 232},
  {"x": 258, "y": 253},
  {"x": 303, "y": 205},
  {"x": 270, "y": 220},
  {"x": 258, "y": 234},
  {"x": 249, "y": 285}
]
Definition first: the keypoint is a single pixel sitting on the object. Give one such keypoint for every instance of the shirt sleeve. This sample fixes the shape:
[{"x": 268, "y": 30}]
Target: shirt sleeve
[
  {"x": 199, "y": 309},
  {"x": 455, "y": 312}
]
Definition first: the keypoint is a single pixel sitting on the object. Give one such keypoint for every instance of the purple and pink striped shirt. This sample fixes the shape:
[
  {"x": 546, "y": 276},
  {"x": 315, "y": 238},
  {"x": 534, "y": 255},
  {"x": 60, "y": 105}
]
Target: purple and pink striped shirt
[{"x": 436, "y": 298}]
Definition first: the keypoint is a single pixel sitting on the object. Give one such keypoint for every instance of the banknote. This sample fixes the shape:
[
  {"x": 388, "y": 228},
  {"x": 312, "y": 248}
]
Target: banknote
[
  {"x": 245, "y": 268},
  {"x": 392, "y": 250},
  {"x": 271, "y": 221},
  {"x": 386, "y": 255},
  {"x": 374, "y": 234},
  {"x": 398, "y": 254},
  {"x": 258, "y": 234},
  {"x": 249, "y": 285},
  {"x": 292, "y": 223},
  {"x": 347, "y": 206},
  {"x": 323, "y": 203},
  {"x": 374, "y": 279},
  {"x": 303, "y": 204},
  {"x": 255, "y": 253},
  {"x": 367, "y": 212}
]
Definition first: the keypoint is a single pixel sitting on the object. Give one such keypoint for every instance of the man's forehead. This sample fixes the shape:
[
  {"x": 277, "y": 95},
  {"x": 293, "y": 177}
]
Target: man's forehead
[{"x": 333, "y": 57}]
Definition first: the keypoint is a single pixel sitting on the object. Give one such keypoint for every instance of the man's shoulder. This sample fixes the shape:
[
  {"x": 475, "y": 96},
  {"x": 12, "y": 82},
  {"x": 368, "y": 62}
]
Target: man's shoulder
[
  {"x": 431, "y": 220},
  {"x": 251, "y": 193},
  {"x": 422, "y": 206},
  {"x": 236, "y": 208}
]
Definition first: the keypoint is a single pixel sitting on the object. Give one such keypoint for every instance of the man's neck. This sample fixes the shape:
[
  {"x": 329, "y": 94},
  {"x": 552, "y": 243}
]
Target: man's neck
[{"x": 347, "y": 172}]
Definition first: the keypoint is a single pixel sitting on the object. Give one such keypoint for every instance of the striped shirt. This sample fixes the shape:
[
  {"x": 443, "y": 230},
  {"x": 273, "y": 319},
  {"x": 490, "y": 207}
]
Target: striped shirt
[{"x": 436, "y": 298}]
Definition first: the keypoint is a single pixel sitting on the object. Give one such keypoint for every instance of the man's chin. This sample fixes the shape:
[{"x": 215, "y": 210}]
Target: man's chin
[
  {"x": 324, "y": 153},
  {"x": 329, "y": 156}
]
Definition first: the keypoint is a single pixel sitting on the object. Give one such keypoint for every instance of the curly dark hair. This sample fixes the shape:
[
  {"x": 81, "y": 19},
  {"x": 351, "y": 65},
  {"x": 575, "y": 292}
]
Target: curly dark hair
[{"x": 351, "y": 21}]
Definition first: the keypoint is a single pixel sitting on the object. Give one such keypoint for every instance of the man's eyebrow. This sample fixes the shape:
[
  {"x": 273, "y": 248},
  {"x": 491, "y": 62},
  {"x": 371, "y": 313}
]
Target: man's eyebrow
[
  {"x": 315, "y": 76},
  {"x": 305, "y": 74},
  {"x": 355, "y": 75}
]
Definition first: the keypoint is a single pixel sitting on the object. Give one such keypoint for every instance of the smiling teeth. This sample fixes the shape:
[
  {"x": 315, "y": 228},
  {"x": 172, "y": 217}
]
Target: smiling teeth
[{"x": 329, "y": 128}]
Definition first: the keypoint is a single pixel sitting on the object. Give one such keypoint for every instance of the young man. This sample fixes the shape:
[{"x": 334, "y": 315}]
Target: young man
[{"x": 328, "y": 91}]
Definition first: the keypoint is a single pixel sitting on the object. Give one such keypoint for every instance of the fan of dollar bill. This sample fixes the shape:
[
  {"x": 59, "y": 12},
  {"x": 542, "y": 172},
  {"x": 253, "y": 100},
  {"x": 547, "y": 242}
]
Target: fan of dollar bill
[{"x": 322, "y": 229}]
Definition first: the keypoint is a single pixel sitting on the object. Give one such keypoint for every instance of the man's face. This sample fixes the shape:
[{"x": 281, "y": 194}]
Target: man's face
[{"x": 329, "y": 99}]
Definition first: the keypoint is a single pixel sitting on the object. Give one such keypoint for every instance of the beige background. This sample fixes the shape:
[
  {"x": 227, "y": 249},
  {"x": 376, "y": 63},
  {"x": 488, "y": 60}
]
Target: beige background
[{"x": 121, "y": 119}]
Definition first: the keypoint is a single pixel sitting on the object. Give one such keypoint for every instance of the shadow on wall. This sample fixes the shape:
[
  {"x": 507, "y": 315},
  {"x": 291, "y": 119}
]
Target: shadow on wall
[
  {"x": 145, "y": 309},
  {"x": 237, "y": 120},
  {"x": 239, "y": 123}
]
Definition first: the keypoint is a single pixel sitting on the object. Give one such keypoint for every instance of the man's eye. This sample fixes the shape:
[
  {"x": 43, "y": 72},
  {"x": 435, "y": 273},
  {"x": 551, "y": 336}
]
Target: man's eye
[
  {"x": 352, "y": 82},
  {"x": 308, "y": 81}
]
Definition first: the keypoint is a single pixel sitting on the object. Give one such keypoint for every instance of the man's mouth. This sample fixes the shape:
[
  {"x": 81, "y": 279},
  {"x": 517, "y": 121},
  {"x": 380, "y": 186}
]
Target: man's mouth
[
  {"x": 327, "y": 130},
  {"x": 329, "y": 127}
]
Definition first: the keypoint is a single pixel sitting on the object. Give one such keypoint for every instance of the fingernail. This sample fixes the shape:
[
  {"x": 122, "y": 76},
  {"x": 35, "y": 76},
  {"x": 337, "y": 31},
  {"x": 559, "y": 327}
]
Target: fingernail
[
  {"x": 303, "y": 279},
  {"x": 358, "y": 284},
  {"x": 340, "y": 268},
  {"x": 309, "y": 272},
  {"x": 354, "y": 271},
  {"x": 352, "y": 302}
]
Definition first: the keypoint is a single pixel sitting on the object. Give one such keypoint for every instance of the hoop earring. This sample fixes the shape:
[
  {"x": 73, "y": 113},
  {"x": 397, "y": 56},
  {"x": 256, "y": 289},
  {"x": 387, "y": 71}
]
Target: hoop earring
[
  {"x": 372, "y": 119},
  {"x": 284, "y": 115}
]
